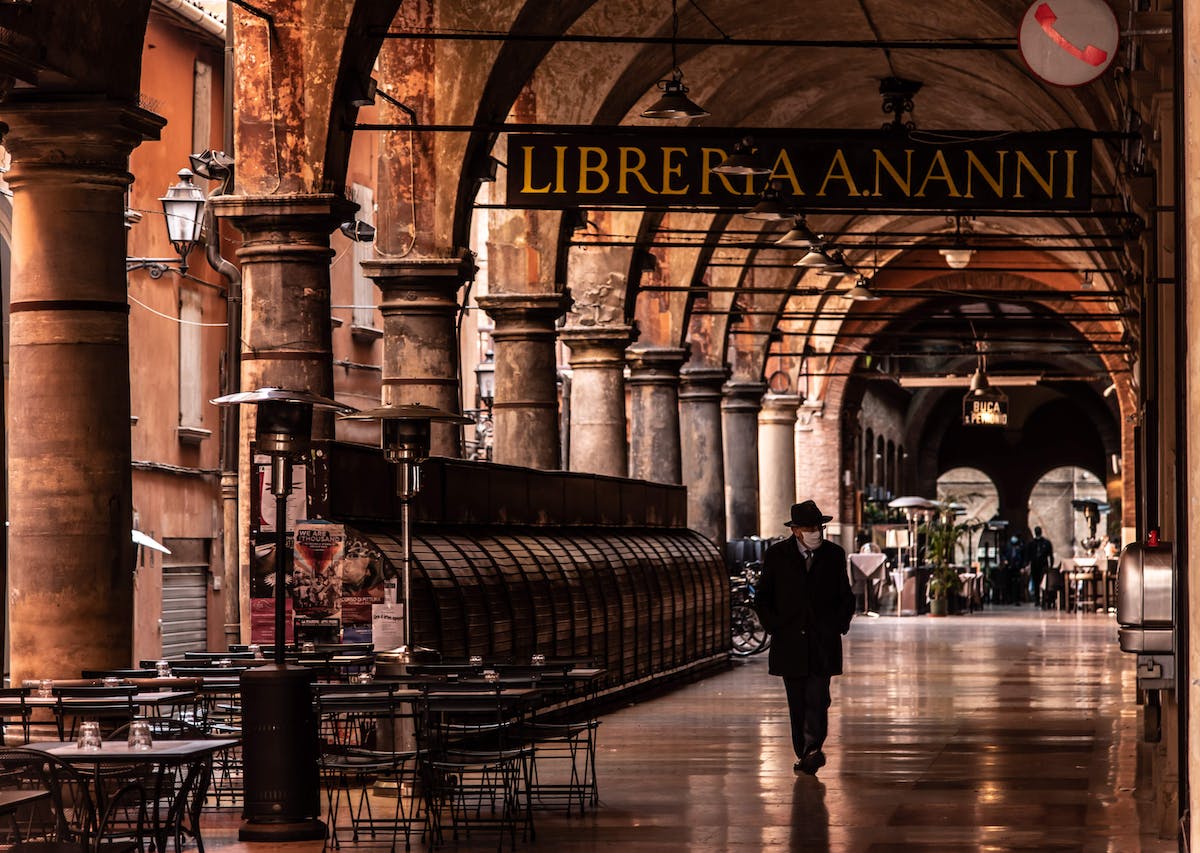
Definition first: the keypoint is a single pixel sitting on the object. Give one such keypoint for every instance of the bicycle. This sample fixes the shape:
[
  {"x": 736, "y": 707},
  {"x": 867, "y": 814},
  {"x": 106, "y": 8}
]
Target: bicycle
[{"x": 749, "y": 637}]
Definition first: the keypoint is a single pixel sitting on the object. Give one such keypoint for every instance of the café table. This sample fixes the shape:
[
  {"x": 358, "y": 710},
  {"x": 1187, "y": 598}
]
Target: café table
[
  {"x": 11, "y": 801},
  {"x": 143, "y": 699},
  {"x": 872, "y": 572},
  {"x": 161, "y": 761}
]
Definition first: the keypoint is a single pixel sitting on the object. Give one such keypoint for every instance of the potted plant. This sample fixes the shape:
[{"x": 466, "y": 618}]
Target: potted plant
[{"x": 941, "y": 540}]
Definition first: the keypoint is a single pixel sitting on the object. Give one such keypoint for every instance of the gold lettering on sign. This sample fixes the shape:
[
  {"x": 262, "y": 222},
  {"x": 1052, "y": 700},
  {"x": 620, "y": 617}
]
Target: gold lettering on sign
[
  {"x": 586, "y": 168},
  {"x": 672, "y": 169},
  {"x": 560, "y": 156},
  {"x": 624, "y": 153},
  {"x": 905, "y": 183},
  {"x": 943, "y": 175},
  {"x": 711, "y": 157},
  {"x": 783, "y": 168},
  {"x": 996, "y": 182},
  {"x": 1070, "y": 172},
  {"x": 1047, "y": 184},
  {"x": 839, "y": 171}
]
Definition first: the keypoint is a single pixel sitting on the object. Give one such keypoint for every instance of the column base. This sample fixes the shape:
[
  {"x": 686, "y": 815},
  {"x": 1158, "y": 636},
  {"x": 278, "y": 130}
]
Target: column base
[{"x": 310, "y": 829}]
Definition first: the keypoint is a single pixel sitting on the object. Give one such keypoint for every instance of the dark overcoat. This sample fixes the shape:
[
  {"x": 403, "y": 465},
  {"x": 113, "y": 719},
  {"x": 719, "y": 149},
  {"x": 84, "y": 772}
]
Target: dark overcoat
[{"x": 806, "y": 611}]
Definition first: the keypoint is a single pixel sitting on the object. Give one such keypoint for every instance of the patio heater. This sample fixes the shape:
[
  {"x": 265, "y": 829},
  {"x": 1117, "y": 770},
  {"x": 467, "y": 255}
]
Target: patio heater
[
  {"x": 914, "y": 508},
  {"x": 404, "y": 439},
  {"x": 279, "y": 727}
]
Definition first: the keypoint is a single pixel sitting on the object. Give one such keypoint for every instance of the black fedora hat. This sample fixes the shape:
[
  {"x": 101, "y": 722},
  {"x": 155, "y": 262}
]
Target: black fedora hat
[{"x": 806, "y": 514}]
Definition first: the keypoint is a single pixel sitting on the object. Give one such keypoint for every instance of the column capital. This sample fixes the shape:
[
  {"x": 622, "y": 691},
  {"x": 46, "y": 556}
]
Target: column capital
[
  {"x": 523, "y": 316},
  {"x": 420, "y": 285},
  {"x": 45, "y": 133},
  {"x": 449, "y": 272},
  {"x": 740, "y": 396},
  {"x": 551, "y": 305},
  {"x": 808, "y": 410},
  {"x": 319, "y": 212},
  {"x": 779, "y": 409},
  {"x": 699, "y": 383},
  {"x": 597, "y": 346},
  {"x": 655, "y": 365}
]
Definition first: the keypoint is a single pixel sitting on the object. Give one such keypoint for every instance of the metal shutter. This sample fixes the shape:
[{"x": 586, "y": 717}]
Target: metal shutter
[{"x": 184, "y": 597}]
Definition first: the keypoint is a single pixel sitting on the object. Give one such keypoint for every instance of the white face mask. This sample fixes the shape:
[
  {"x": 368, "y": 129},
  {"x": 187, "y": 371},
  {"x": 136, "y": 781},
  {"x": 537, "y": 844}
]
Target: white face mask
[{"x": 810, "y": 540}]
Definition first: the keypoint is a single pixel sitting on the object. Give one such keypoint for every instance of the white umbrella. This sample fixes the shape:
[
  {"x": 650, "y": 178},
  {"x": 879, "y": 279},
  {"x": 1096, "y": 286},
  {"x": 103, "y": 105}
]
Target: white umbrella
[{"x": 913, "y": 502}]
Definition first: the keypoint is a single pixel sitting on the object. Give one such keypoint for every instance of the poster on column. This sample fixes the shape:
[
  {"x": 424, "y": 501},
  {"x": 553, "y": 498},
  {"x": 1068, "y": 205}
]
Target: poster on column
[
  {"x": 262, "y": 621},
  {"x": 262, "y": 588},
  {"x": 387, "y": 619},
  {"x": 362, "y": 588},
  {"x": 317, "y": 569}
]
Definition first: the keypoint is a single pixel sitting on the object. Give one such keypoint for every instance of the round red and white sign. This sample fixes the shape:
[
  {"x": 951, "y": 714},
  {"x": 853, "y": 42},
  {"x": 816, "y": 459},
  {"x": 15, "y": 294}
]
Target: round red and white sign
[{"x": 1069, "y": 42}]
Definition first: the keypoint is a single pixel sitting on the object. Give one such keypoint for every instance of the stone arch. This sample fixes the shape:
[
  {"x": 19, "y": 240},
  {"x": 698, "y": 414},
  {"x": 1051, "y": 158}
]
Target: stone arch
[
  {"x": 1049, "y": 500},
  {"x": 977, "y": 492}
]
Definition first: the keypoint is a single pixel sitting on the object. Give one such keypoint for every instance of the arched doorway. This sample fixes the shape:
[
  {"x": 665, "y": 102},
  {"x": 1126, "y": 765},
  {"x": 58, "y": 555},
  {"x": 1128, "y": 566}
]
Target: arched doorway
[
  {"x": 1050, "y": 508},
  {"x": 980, "y": 498}
]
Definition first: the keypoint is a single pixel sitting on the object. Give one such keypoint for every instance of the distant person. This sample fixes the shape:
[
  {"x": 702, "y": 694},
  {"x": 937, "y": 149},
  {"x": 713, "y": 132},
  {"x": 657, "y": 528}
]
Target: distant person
[
  {"x": 1039, "y": 554},
  {"x": 805, "y": 602},
  {"x": 1012, "y": 560}
]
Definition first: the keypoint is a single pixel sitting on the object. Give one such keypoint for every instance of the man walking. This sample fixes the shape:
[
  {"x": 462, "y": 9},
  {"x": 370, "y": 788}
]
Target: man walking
[
  {"x": 804, "y": 600},
  {"x": 1039, "y": 554}
]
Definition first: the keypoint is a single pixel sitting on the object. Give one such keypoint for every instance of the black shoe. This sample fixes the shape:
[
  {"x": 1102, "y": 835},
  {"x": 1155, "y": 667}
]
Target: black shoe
[{"x": 811, "y": 763}]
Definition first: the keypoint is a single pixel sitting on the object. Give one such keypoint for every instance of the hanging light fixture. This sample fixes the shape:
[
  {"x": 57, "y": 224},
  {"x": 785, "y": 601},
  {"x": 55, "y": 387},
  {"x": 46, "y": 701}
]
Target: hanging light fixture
[
  {"x": 742, "y": 161},
  {"x": 984, "y": 404},
  {"x": 837, "y": 266},
  {"x": 861, "y": 292},
  {"x": 674, "y": 102},
  {"x": 770, "y": 206},
  {"x": 799, "y": 237},
  {"x": 816, "y": 258},
  {"x": 958, "y": 256}
]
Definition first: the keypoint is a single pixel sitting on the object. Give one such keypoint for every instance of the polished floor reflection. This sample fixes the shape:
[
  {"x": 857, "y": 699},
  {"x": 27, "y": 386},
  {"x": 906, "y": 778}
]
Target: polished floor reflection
[{"x": 999, "y": 731}]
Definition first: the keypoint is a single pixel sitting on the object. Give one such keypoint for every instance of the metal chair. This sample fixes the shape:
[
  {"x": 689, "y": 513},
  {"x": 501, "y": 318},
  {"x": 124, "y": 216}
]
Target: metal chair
[
  {"x": 475, "y": 768},
  {"x": 107, "y": 705},
  {"x": 74, "y": 817},
  {"x": 17, "y": 711},
  {"x": 181, "y": 797},
  {"x": 368, "y": 715}
]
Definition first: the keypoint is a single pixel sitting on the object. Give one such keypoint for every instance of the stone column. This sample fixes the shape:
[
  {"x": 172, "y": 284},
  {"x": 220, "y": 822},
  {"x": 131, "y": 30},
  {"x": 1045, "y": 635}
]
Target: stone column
[
  {"x": 286, "y": 333},
  {"x": 420, "y": 336},
  {"x": 525, "y": 413},
  {"x": 71, "y": 560},
  {"x": 599, "y": 444},
  {"x": 654, "y": 412},
  {"x": 739, "y": 425},
  {"x": 285, "y": 255},
  {"x": 700, "y": 444},
  {"x": 776, "y": 462}
]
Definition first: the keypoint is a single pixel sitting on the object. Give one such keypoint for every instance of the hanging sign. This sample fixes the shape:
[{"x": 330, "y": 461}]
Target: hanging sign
[
  {"x": 835, "y": 169},
  {"x": 1069, "y": 42},
  {"x": 985, "y": 407}
]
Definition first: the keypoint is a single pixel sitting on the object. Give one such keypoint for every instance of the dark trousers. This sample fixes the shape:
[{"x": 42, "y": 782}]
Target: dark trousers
[
  {"x": 1035, "y": 576},
  {"x": 808, "y": 707}
]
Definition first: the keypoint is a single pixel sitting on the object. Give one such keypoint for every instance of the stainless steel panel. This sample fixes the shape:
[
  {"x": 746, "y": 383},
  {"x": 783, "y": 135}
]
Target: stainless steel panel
[
  {"x": 1158, "y": 586},
  {"x": 1147, "y": 640},
  {"x": 1129, "y": 586},
  {"x": 1146, "y": 586}
]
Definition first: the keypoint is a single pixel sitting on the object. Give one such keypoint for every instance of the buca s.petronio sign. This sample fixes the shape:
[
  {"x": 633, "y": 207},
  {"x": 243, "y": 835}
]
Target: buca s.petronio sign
[{"x": 957, "y": 170}]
